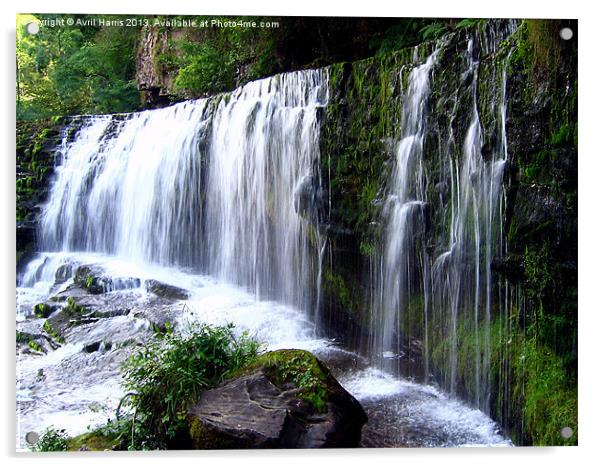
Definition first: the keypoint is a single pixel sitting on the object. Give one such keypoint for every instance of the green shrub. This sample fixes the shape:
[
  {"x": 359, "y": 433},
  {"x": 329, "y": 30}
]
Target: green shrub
[
  {"x": 170, "y": 373},
  {"x": 52, "y": 440},
  {"x": 434, "y": 30}
]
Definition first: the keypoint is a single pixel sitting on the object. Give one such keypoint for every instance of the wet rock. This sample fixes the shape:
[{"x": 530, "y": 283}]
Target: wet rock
[
  {"x": 63, "y": 273},
  {"x": 442, "y": 188},
  {"x": 72, "y": 291},
  {"x": 309, "y": 197},
  {"x": 95, "y": 280},
  {"x": 164, "y": 290},
  {"x": 72, "y": 314},
  {"x": 90, "y": 279},
  {"x": 271, "y": 406},
  {"x": 92, "y": 347},
  {"x": 34, "y": 343}
]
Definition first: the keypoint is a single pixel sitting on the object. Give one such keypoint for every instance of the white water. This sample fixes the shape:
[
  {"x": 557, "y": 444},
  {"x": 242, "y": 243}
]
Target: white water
[
  {"x": 227, "y": 185},
  {"x": 220, "y": 197},
  {"x": 262, "y": 184},
  {"x": 81, "y": 389},
  {"x": 462, "y": 282}
]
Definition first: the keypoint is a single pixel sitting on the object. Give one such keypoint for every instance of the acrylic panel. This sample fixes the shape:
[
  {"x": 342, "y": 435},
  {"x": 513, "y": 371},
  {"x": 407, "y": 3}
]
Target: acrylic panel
[{"x": 295, "y": 232}]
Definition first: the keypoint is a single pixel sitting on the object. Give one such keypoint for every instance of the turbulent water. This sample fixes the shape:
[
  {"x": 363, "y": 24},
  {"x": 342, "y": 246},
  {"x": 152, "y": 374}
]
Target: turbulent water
[
  {"x": 222, "y": 197},
  {"x": 71, "y": 388}
]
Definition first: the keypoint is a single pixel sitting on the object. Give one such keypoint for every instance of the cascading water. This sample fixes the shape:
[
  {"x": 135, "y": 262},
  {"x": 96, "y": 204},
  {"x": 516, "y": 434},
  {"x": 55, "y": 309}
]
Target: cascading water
[
  {"x": 462, "y": 278},
  {"x": 263, "y": 187},
  {"x": 239, "y": 200},
  {"x": 402, "y": 218},
  {"x": 446, "y": 289},
  {"x": 120, "y": 190}
]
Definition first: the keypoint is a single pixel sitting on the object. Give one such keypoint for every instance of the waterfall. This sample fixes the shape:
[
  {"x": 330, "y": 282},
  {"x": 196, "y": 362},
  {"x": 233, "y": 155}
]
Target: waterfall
[
  {"x": 131, "y": 185},
  {"x": 227, "y": 185},
  {"x": 263, "y": 187},
  {"x": 402, "y": 216},
  {"x": 439, "y": 296},
  {"x": 230, "y": 187}
]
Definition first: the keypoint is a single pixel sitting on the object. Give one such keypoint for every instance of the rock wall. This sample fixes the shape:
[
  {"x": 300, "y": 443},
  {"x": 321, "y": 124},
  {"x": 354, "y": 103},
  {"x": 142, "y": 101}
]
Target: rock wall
[
  {"x": 155, "y": 81},
  {"x": 36, "y": 149}
]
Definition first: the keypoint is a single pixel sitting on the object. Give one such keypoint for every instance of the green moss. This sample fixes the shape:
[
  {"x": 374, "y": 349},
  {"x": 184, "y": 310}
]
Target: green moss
[
  {"x": 564, "y": 136},
  {"x": 22, "y": 337},
  {"x": 35, "y": 346},
  {"x": 73, "y": 309},
  {"x": 97, "y": 440},
  {"x": 297, "y": 367},
  {"x": 89, "y": 281},
  {"x": 529, "y": 381},
  {"x": 550, "y": 397},
  {"x": 52, "y": 332},
  {"x": 542, "y": 35},
  {"x": 367, "y": 248},
  {"x": 42, "y": 310},
  {"x": 35, "y": 162},
  {"x": 335, "y": 285},
  {"x": 204, "y": 438}
]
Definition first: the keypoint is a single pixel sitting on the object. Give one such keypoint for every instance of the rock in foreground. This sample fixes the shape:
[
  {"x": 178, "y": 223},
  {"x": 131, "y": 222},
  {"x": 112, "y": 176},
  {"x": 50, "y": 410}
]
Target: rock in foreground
[{"x": 287, "y": 399}]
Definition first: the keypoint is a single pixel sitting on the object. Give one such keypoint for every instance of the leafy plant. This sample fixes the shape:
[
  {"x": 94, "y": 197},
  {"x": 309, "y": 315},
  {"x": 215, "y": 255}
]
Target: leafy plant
[
  {"x": 75, "y": 69},
  {"x": 433, "y": 31},
  {"x": 52, "y": 440},
  {"x": 170, "y": 373},
  {"x": 469, "y": 22}
]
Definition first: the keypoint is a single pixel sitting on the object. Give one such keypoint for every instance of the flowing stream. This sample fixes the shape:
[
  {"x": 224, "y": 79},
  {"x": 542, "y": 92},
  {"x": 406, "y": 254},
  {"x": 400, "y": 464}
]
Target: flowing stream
[{"x": 221, "y": 197}]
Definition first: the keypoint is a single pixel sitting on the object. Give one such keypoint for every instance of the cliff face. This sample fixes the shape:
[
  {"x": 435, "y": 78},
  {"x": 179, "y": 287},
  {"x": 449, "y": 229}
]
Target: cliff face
[
  {"x": 154, "y": 80},
  {"x": 501, "y": 360}
]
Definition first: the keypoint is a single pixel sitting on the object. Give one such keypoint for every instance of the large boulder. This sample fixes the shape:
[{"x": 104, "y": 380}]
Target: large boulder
[{"x": 287, "y": 399}]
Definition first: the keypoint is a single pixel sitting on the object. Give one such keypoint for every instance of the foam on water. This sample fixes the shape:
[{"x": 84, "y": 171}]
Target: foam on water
[
  {"x": 424, "y": 407},
  {"x": 83, "y": 390}
]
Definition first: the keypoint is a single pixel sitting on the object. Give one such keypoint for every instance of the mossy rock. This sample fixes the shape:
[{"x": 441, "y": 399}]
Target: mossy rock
[
  {"x": 284, "y": 399},
  {"x": 43, "y": 310},
  {"x": 295, "y": 368},
  {"x": 89, "y": 279},
  {"x": 70, "y": 315}
]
